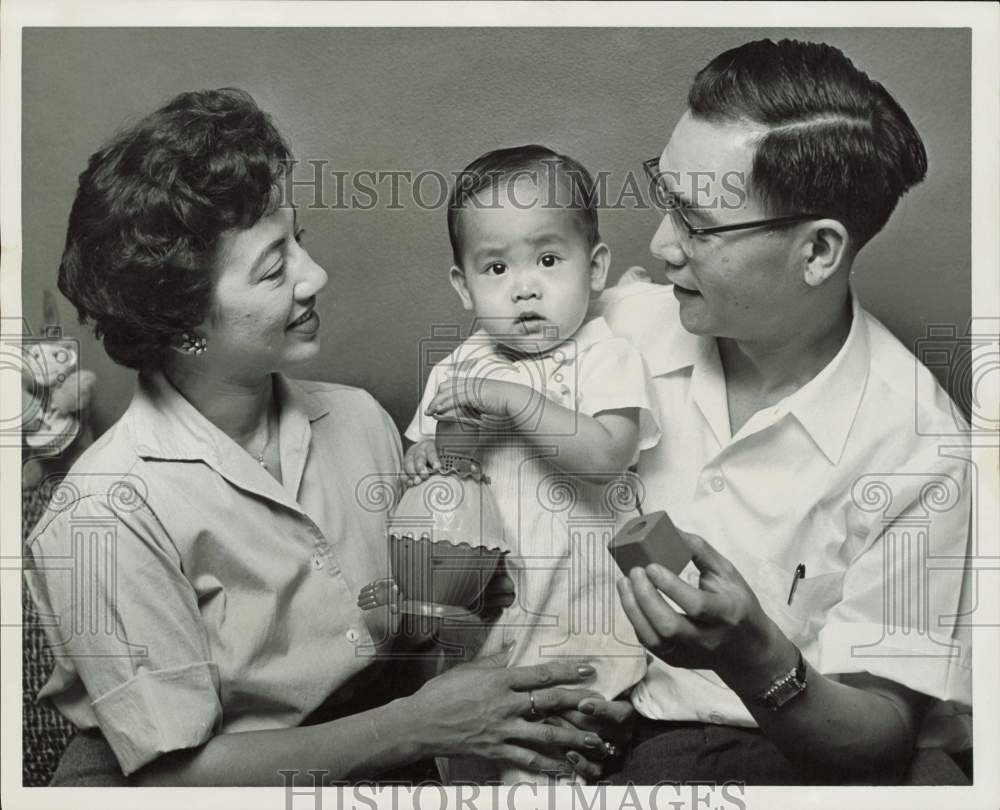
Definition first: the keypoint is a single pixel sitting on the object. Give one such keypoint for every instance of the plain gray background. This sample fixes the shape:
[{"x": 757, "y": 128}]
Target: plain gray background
[{"x": 432, "y": 100}]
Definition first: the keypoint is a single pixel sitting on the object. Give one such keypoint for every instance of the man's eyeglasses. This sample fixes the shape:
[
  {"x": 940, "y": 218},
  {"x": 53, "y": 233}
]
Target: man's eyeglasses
[{"x": 670, "y": 205}]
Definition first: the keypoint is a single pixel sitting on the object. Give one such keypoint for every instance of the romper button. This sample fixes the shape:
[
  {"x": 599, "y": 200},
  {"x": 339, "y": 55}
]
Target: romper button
[
  {"x": 353, "y": 635},
  {"x": 718, "y": 484}
]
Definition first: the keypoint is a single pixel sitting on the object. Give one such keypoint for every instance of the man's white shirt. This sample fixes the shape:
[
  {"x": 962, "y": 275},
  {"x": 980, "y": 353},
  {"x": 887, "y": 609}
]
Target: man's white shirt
[{"x": 837, "y": 477}]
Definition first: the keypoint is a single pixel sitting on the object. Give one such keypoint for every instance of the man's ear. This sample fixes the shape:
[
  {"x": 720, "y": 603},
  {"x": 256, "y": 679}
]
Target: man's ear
[
  {"x": 600, "y": 261},
  {"x": 457, "y": 279},
  {"x": 825, "y": 251}
]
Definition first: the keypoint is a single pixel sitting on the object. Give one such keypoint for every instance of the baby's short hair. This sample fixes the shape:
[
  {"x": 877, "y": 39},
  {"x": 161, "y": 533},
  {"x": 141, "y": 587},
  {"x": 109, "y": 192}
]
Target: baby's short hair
[{"x": 524, "y": 162}]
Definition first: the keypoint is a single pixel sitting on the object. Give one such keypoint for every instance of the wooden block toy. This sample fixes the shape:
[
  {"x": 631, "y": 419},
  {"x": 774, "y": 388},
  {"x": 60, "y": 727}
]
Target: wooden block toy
[{"x": 647, "y": 539}]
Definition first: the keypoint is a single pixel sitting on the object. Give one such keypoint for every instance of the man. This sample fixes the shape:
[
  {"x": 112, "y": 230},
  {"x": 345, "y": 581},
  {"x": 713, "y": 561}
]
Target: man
[{"x": 809, "y": 636}]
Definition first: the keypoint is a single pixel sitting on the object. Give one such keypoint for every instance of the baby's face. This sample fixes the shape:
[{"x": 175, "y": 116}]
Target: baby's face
[{"x": 527, "y": 271}]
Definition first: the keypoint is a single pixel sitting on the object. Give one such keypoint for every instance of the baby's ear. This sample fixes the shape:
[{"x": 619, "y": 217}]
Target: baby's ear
[
  {"x": 600, "y": 261},
  {"x": 457, "y": 279}
]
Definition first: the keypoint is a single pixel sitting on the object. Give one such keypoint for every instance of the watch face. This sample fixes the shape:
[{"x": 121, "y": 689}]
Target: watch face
[
  {"x": 787, "y": 691},
  {"x": 786, "y": 687}
]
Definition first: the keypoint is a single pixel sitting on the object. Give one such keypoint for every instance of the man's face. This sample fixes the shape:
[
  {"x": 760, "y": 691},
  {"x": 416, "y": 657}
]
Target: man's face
[{"x": 738, "y": 284}]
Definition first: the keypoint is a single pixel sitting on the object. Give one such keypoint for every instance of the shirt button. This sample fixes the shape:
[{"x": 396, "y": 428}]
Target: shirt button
[
  {"x": 352, "y": 635},
  {"x": 715, "y": 717},
  {"x": 718, "y": 484}
]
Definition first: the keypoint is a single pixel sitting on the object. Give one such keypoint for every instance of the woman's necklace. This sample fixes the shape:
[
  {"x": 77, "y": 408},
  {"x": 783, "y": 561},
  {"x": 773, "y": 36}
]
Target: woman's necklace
[{"x": 267, "y": 442}]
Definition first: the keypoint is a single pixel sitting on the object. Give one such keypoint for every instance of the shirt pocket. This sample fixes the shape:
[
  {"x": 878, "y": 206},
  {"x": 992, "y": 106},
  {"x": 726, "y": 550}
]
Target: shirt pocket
[{"x": 813, "y": 598}]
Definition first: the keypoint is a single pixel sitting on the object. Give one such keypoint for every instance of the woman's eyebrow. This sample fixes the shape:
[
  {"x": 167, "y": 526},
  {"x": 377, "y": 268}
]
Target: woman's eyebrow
[
  {"x": 271, "y": 246},
  {"x": 279, "y": 242}
]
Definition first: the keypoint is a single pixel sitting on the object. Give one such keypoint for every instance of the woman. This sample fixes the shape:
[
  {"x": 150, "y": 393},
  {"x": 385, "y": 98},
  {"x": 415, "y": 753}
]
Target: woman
[{"x": 226, "y": 644}]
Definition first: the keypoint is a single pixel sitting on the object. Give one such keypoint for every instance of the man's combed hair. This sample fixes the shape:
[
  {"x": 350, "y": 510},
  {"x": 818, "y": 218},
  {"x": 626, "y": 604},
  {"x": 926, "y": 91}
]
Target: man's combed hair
[
  {"x": 149, "y": 211},
  {"x": 563, "y": 182},
  {"x": 836, "y": 143}
]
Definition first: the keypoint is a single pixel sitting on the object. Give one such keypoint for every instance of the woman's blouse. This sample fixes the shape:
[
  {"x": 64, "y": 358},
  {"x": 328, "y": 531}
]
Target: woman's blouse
[{"x": 185, "y": 592}]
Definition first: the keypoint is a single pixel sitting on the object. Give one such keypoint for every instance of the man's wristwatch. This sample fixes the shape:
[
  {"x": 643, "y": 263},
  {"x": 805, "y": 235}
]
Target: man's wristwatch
[{"x": 785, "y": 687}]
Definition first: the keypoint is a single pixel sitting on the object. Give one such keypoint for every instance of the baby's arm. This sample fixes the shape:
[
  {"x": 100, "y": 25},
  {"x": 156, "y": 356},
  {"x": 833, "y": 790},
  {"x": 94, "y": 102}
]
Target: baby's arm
[
  {"x": 421, "y": 458},
  {"x": 603, "y": 443}
]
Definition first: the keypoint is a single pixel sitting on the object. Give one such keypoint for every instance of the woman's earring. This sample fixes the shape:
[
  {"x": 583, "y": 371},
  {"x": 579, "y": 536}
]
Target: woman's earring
[{"x": 193, "y": 344}]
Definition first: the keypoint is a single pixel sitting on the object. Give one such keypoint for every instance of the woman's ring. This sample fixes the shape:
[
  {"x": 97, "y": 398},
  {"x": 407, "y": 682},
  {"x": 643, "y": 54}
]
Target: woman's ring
[
  {"x": 610, "y": 749},
  {"x": 533, "y": 714}
]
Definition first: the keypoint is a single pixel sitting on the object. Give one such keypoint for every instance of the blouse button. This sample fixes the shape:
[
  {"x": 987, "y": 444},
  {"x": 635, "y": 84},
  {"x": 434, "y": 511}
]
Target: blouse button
[
  {"x": 317, "y": 562},
  {"x": 353, "y": 635},
  {"x": 718, "y": 484}
]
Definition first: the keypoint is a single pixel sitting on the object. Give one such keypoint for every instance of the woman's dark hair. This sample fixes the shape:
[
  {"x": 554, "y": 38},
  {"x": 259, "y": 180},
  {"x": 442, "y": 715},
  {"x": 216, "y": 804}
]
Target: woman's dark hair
[
  {"x": 837, "y": 142},
  {"x": 149, "y": 211},
  {"x": 539, "y": 164}
]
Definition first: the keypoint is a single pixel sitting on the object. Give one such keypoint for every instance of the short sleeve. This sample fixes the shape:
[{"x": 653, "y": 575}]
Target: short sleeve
[
  {"x": 903, "y": 595},
  {"x": 613, "y": 376},
  {"x": 423, "y": 426},
  {"x": 121, "y": 617}
]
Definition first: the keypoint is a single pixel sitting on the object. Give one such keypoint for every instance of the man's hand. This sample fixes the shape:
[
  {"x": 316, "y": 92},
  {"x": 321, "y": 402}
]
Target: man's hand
[{"x": 722, "y": 626}]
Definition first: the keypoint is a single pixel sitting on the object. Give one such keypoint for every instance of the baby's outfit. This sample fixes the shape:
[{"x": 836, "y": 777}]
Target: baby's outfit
[{"x": 556, "y": 525}]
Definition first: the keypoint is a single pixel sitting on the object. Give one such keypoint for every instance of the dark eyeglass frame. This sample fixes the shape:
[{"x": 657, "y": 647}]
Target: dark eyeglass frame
[{"x": 652, "y": 169}]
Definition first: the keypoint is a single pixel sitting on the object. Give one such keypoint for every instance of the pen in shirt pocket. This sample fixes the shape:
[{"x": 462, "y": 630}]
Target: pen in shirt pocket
[{"x": 800, "y": 572}]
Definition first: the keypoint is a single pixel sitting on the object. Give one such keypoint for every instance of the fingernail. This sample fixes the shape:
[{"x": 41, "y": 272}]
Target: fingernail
[
  {"x": 585, "y": 670},
  {"x": 574, "y": 757},
  {"x": 593, "y": 742},
  {"x": 587, "y": 707}
]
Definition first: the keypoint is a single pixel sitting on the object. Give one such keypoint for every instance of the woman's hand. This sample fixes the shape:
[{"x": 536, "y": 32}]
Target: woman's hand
[
  {"x": 483, "y": 709},
  {"x": 421, "y": 460}
]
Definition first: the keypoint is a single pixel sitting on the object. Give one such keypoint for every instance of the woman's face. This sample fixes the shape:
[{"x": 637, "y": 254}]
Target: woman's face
[{"x": 262, "y": 316}]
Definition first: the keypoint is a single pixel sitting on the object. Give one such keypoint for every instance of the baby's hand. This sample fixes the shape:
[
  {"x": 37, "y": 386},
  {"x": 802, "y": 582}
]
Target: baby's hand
[
  {"x": 482, "y": 402},
  {"x": 420, "y": 459}
]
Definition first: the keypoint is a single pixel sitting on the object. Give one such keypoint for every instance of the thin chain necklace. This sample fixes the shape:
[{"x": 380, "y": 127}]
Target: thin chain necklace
[{"x": 267, "y": 442}]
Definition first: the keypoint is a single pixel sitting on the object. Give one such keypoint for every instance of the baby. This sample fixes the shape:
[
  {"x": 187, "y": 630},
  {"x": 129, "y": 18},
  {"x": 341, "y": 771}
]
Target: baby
[{"x": 562, "y": 407}]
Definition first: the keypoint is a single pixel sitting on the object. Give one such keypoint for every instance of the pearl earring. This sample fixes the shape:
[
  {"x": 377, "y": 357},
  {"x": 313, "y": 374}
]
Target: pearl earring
[{"x": 192, "y": 344}]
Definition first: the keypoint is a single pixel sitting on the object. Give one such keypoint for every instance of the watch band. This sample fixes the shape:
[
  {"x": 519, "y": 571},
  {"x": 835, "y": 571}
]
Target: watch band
[{"x": 785, "y": 687}]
